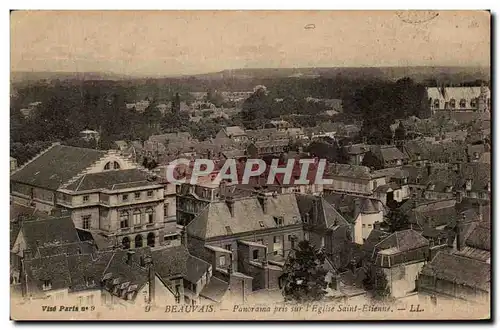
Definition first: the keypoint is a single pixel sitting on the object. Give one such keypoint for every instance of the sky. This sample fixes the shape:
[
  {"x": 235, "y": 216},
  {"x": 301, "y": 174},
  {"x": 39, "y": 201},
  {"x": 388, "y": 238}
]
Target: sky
[{"x": 155, "y": 43}]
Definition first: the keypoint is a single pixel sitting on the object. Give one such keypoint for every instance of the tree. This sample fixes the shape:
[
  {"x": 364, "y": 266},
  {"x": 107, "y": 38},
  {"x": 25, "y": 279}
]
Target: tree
[
  {"x": 396, "y": 220},
  {"x": 376, "y": 283},
  {"x": 303, "y": 278}
]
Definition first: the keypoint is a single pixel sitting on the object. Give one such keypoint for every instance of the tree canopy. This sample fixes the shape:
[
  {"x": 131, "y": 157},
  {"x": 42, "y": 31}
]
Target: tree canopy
[{"x": 303, "y": 278}]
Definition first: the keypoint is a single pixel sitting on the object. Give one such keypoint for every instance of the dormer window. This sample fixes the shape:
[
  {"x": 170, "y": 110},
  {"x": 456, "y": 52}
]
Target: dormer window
[
  {"x": 463, "y": 103},
  {"x": 116, "y": 165},
  {"x": 306, "y": 218},
  {"x": 436, "y": 103},
  {"x": 47, "y": 285},
  {"x": 278, "y": 221},
  {"x": 261, "y": 224},
  {"x": 473, "y": 103},
  {"x": 107, "y": 166}
]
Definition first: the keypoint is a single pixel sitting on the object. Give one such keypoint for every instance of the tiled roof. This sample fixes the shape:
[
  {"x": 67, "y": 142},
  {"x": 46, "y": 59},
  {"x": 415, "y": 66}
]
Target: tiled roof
[
  {"x": 387, "y": 153},
  {"x": 49, "y": 232},
  {"x": 349, "y": 171},
  {"x": 480, "y": 238},
  {"x": 54, "y": 269},
  {"x": 216, "y": 220},
  {"x": 459, "y": 270},
  {"x": 328, "y": 216},
  {"x": 112, "y": 180},
  {"x": 215, "y": 289},
  {"x": 478, "y": 254},
  {"x": 177, "y": 262},
  {"x": 68, "y": 249},
  {"x": 235, "y": 131},
  {"x": 56, "y": 166},
  {"x": 404, "y": 240},
  {"x": 170, "y": 137}
]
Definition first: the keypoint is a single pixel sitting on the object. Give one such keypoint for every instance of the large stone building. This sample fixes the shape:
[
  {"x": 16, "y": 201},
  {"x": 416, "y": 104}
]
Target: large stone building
[
  {"x": 102, "y": 191},
  {"x": 472, "y": 99}
]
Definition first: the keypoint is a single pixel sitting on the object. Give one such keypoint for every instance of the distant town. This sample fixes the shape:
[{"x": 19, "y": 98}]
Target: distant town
[{"x": 405, "y": 217}]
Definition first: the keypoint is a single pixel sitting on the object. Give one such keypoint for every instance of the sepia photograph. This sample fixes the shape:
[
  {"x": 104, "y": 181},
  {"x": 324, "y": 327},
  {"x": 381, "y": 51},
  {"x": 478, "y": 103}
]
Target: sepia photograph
[{"x": 219, "y": 165}]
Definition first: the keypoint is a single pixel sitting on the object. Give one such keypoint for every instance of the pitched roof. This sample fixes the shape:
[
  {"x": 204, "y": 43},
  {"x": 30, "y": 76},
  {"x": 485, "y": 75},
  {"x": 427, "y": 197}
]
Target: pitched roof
[
  {"x": 480, "y": 238},
  {"x": 170, "y": 137},
  {"x": 328, "y": 216},
  {"x": 460, "y": 270},
  {"x": 48, "y": 232},
  {"x": 119, "y": 179},
  {"x": 234, "y": 131},
  {"x": 387, "y": 153},
  {"x": 215, "y": 289},
  {"x": 349, "y": 171},
  {"x": 177, "y": 262},
  {"x": 54, "y": 269},
  {"x": 404, "y": 240},
  {"x": 216, "y": 220},
  {"x": 56, "y": 166},
  {"x": 73, "y": 248}
]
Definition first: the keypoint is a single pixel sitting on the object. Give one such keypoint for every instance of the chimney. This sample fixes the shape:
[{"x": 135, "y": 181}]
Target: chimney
[
  {"x": 184, "y": 236},
  {"x": 130, "y": 254},
  {"x": 151, "y": 273},
  {"x": 457, "y": 232},
  {"x": 230, "y": 205},
  {"x": 263, "y": 201},
  {"x": 357, "y": 206}
]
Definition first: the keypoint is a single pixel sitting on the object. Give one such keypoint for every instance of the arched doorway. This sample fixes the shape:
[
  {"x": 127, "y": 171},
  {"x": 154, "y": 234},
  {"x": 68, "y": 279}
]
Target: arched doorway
[
  {"x": 138, "y": 241},
  {"x": 126, "y": 243},
  {"x": 151, "y": 239}
]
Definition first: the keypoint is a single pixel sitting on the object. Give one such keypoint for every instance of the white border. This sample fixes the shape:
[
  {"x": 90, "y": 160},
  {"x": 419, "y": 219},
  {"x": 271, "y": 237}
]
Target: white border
[{"x": 190, "y": 4}]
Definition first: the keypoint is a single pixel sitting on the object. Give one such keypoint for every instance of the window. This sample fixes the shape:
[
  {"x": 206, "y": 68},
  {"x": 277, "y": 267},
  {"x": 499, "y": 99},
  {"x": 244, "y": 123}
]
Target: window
[
  {"x": 452, "y": 103},
  {"x": 151, "y": 239},
  {"x": 260, "y": 241},
  {"x": 138, "y": 241},
  {"x": 463, "y": 103},
  {"x": 255, "y": 254},
  {"x": 222, "y": 260},
  {"x": 107, "y": 166},
  {"x": 227, "y": 247},
  {"x": 322, "y": 241},
  {"x": 124, "y": 219},
  {"x": 473, "y": 103},
  {"x": 126, "y": 243},
  {"x": 125, "y": 197},
  {"x": 276, "y": 239},
  {"x": 370, "y": 225},
  {"x": 150, "y": 215},
  {"x": 278, "y": 221},
  {"x": 137, "y": 195},
  {"x": 116, "y": 165},
  {"x": 137, "y": 218},
  {"x": 364, "y": 226},
  {"x": 150, "y": 193},
  {"x": 47, "y": 285},
  {"x": 436, "y": 103},
  {"x": 306, "y": 218},
  {"x": 86, "y": 222},
  {"x": 86, "y": 198},
  {"x": 306, "y": 236},
  {"x": 228, "y": 230},
  {"x": 261, "y": 224}
]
